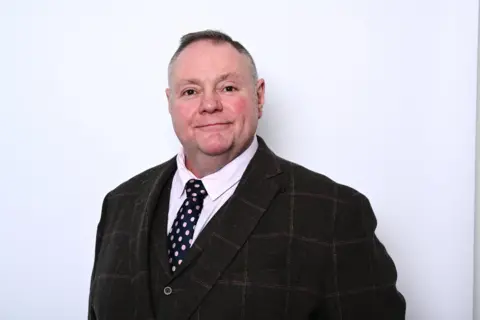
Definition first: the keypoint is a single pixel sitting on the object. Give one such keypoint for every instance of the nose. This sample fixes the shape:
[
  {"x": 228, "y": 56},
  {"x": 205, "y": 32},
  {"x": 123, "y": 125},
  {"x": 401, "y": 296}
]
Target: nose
[{"x": 210, "y": 103}]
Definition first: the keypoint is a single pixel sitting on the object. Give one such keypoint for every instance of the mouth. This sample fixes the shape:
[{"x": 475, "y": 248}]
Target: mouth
[{"x": 214, "y": 126}]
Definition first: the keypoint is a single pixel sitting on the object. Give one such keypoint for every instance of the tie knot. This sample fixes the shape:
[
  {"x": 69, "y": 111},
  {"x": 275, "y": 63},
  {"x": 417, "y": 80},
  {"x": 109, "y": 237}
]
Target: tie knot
[{"x": 195, "y": 189}]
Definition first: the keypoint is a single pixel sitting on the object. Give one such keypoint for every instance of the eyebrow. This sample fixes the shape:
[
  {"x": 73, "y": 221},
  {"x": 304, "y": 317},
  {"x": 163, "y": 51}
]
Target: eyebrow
[{"x": 220, "y": 78}]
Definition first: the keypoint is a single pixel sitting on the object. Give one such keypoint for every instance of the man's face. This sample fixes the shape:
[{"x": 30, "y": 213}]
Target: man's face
[{"x": 213, "y": 100}]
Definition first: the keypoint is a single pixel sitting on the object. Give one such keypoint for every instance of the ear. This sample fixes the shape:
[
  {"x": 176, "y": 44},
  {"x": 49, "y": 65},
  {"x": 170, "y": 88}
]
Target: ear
[
  {"x": 260, "y": 93},
  {"x": 168, "y": 93}
]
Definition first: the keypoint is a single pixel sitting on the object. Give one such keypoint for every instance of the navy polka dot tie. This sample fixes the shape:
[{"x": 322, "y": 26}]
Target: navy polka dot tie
[{"x": 181, "y": 233}]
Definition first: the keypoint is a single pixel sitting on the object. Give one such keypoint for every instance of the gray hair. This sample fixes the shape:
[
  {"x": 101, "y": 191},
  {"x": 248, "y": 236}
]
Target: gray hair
[{"x": 216, "y": 37}]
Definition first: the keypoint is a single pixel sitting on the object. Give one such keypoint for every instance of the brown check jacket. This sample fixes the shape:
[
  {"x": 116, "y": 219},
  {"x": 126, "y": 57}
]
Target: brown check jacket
[{"x": 289, "y": 244}]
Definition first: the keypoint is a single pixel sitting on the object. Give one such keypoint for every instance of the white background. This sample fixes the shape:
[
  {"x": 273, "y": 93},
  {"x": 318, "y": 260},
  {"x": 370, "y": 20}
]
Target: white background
[{"x": 379, "y": 95}]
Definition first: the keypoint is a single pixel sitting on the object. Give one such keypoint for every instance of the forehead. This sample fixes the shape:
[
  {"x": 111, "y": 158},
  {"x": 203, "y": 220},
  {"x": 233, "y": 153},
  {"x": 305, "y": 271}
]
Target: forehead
[{"x": 205, "y": 59}]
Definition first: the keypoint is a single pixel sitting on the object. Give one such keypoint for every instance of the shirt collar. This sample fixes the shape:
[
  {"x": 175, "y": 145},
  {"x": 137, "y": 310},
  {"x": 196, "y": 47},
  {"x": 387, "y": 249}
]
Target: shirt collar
[{"x": 220, "y": 181}]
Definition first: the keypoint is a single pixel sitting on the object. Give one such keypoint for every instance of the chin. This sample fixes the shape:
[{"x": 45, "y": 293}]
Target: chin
[
  {"x": 216, "y": 149},
  {"x": 215, "y": 144}
]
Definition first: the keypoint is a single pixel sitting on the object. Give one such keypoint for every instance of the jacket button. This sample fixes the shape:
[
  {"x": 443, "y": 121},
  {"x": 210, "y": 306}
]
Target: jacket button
[{"x": 167, "y": 291}]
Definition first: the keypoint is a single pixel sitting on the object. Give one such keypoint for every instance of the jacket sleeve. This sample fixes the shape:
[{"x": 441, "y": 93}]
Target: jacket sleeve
[
  {"x": 364, "y": 274},
  {"x": 98, "y": 245}
]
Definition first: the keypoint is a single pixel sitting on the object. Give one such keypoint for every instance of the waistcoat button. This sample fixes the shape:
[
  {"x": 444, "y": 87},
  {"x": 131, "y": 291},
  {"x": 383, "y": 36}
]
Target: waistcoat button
[{"x": 167, "y": 291}]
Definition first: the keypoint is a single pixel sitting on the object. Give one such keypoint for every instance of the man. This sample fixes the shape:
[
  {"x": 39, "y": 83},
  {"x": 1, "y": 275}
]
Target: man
[{"x": 227, "y": 229}]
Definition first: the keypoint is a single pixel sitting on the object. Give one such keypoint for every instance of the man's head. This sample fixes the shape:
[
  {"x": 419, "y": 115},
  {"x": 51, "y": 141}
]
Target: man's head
[{"x": 215, "y": 97}]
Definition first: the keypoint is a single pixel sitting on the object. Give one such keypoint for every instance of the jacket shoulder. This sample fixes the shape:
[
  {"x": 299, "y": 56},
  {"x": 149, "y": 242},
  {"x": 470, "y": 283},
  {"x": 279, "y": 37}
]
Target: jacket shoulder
[
  {"x": 306, "y": 181},
  {"x": 145, "y": 178}
]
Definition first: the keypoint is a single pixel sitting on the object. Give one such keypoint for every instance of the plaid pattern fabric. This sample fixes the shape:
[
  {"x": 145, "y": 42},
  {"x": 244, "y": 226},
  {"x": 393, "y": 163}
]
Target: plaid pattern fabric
[{"x": 289, "y": 244}]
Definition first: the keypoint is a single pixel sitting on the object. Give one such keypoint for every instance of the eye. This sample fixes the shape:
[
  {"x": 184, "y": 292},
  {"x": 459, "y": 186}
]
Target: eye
[
  {"x": 229, "y": 89},
  {"x": 188, "y": 92}
]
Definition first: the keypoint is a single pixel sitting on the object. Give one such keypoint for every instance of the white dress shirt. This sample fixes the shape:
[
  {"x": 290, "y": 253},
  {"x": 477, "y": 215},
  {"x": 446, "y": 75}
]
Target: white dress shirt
[{"x": 219, "y": 185}]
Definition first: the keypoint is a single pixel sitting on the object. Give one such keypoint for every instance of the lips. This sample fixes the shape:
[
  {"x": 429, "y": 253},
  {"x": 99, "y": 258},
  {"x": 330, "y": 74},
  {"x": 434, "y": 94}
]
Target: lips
[
  {"x": 210, "y": 125},
  {"x": 213, "y": 127}
]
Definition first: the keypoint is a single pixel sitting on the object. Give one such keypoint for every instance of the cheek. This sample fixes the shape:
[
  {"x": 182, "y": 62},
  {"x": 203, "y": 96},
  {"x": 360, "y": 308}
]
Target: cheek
[
  {"x": 182, "y": 114},
  {"x": 241, "y": 107}
]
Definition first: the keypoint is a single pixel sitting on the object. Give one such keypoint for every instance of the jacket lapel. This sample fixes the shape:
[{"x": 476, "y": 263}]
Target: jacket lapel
[
  {"x": 142, "y": 216},
  {"x": 228, "y": 230}
]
